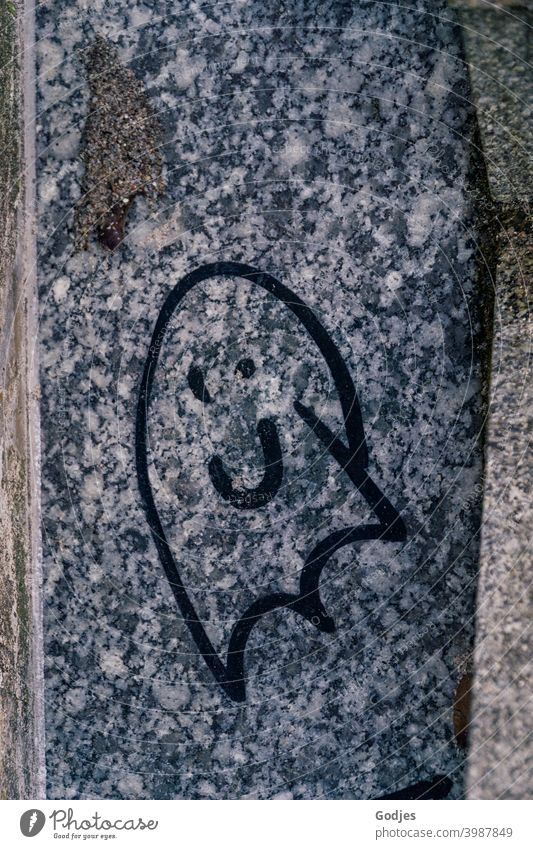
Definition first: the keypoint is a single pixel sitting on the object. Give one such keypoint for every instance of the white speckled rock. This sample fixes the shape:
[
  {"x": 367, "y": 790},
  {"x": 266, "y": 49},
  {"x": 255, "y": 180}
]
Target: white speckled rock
[{"x": 329, "y": 150}]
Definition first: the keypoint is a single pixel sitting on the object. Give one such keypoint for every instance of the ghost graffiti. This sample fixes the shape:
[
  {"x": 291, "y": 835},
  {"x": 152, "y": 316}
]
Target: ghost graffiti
[{"x": 347, "y": 448}]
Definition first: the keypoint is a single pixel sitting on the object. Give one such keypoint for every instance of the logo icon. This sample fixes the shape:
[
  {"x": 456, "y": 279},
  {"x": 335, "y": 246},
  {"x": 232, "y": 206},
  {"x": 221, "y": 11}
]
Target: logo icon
[{"x": 32, "y": 822}]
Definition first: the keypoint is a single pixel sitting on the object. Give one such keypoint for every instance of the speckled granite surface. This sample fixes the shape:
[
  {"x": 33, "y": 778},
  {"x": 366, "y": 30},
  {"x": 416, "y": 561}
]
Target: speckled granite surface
[{"x": 329, "y": 150}]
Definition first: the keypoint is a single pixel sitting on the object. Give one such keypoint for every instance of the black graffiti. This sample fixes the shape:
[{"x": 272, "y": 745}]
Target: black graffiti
[
  {"x": 196, "y": 382},
  {"x": 243, "y": 498},
  {"x": 351, "y": 454},
  {"x": 436, "y": 788}
]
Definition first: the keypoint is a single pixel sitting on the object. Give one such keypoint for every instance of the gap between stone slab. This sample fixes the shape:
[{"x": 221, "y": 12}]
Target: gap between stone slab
[{"x": 22, "y": 767}]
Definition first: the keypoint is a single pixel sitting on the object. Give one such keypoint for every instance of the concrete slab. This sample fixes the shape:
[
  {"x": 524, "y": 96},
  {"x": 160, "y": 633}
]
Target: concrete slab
[
  {"x": 500, "y": 758},
  {"x": 498, "y": 51}
]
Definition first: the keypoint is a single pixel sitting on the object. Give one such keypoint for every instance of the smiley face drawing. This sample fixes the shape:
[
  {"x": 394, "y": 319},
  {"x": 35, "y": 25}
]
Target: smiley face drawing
[{"x": 347, "y": 448}]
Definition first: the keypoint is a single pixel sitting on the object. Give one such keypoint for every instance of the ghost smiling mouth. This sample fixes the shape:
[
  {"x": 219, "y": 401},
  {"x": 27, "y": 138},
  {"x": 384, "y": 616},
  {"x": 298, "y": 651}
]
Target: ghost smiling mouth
[
  {"x": 350, "y": 453},
  {"x": 244, "y": 498}
]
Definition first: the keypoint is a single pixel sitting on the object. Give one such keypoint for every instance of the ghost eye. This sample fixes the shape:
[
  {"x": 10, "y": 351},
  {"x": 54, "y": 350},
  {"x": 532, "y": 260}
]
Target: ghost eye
[{"x": 197, "y": 385}]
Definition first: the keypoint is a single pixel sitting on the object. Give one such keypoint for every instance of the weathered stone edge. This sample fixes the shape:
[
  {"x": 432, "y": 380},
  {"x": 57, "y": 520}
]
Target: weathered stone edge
[
  {"x": 22, "y": 773},
  {"x": 501, "y": 732}
]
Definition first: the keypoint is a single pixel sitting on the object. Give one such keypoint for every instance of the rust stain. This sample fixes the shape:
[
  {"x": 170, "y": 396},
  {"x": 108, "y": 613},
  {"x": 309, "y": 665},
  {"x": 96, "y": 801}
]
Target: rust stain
[{"x": 462, "y": 710}]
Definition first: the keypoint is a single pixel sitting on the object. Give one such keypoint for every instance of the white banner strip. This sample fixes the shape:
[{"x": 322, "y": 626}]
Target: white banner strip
[{"x": 258, "y": 825}]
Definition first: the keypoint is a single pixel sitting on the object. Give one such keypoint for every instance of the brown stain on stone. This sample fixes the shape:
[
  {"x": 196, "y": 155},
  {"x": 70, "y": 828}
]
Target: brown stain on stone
[
  {"x": 111, "y": 232},
  {"x": 120, "y": 148},
  {"x": 462, "y": 707}
]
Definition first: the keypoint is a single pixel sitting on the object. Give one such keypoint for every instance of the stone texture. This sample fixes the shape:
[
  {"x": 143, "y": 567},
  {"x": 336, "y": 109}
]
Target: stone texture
[
  {"x": 501, "y": 755},
  {"x": 332, "y": 150},
  {"x": 21, "y": 722},
  {"x": 498, "y": 51}
]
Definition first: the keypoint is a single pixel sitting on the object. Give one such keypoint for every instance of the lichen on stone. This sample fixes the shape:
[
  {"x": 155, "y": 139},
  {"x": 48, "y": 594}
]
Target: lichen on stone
[{"x": 120, "y": 147}]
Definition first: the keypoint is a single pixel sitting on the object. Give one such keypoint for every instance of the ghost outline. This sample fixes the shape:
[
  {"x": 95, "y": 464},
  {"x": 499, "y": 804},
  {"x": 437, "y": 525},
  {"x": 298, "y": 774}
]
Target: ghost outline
[{"x": 352, "y": 458}]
